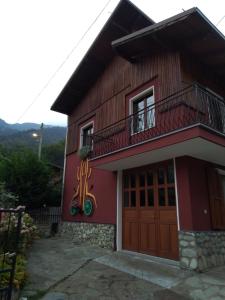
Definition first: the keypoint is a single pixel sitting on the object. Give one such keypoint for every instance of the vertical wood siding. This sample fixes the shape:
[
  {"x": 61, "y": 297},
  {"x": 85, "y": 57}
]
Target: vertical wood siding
[
  {"x": 193, "y": 71},
  {"x": 107, "y": 97}
]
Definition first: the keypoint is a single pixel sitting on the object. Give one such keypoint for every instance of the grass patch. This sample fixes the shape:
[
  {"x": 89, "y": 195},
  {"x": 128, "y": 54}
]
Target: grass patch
[{"x": 20, "y": 272}]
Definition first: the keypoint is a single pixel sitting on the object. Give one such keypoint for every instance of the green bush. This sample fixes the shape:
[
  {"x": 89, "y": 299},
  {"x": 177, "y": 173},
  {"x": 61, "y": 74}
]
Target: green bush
[
  {"x": 7, "y": 199},
  {"x": 27, "y": 177},
  {"x": 84, "y": 152},
  {"x": 20, "y": 272},
  {"x": 28, "y": 234}
]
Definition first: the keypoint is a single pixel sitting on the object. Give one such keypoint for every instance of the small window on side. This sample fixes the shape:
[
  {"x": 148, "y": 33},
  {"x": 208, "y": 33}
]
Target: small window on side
[{"x": 86, "y": 136}]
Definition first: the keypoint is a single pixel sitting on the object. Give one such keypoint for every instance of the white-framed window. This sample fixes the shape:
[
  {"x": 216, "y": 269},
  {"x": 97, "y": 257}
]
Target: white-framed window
[
  {"x": 142, "y": 109},
  {"x": 86, "y": 135}
]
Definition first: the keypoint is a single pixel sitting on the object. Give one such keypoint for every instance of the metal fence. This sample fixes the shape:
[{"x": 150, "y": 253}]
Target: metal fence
[
  {"x": 10, "y": 229},
  {"x": 45, "y": 215}
]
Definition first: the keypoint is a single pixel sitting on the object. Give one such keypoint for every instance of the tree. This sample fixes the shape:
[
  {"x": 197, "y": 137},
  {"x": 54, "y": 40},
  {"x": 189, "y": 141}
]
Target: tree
[
  {"x": 7, "y": 199},
  {"x": 54, "y": 153},
  {"x": 28, "y": 178}
]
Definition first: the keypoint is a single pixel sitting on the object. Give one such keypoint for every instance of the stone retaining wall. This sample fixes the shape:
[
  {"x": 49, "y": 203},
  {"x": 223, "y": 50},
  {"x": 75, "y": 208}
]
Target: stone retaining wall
[
  {"x": 200, "y": 251},
  {"x": 102, "y": 235}
]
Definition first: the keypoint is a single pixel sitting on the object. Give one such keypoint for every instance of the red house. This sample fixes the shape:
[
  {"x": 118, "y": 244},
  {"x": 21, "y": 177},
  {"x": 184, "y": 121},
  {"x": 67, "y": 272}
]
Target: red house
[{"x": 145, "y": 155}]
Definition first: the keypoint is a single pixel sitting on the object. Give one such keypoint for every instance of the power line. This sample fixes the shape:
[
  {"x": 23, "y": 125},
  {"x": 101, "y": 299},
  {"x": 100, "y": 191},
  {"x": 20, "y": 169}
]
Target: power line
[
  {"x": 220, "y": 20},
  {"x": 63, "y": 63}
]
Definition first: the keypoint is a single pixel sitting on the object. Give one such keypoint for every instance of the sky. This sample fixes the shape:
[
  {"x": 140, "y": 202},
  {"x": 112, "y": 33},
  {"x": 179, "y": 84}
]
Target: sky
[{"x": 42, "y": 42}]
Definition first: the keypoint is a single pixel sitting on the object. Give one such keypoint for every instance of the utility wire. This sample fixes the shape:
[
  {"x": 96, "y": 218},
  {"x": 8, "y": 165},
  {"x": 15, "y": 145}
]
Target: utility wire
[
  {"x": 63, "y": 63},
  {"x": 220, "y": 20},
  {"x": 68, "y": 56}
]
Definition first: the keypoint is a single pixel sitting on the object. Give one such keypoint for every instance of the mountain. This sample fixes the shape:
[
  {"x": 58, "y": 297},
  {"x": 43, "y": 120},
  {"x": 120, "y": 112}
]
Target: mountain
[
  {"x": 25, "y": 126},
  {"x": 14, "y": 135},
  {"x": 6, "y": 128}
]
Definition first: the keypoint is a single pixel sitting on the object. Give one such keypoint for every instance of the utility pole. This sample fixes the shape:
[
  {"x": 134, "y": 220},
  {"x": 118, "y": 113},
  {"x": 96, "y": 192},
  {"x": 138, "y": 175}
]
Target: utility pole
[{"x": 40, "y": 141}]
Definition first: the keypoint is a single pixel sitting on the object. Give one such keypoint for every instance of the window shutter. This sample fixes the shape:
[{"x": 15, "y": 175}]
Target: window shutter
[{"x": 72, "y": 138}]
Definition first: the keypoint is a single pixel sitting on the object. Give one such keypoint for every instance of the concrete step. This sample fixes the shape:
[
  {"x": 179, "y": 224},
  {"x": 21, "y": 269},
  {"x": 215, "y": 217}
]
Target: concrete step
[{"x": 163, "y": 272}]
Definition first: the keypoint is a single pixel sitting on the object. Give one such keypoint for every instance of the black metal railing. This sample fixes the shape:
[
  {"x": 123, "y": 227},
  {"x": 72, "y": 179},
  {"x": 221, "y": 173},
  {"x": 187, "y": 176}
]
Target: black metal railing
[
  {"x": 10, "y": 228},
  {"x": 45, "y": 215},
  {"x": 191, "y": 106}
]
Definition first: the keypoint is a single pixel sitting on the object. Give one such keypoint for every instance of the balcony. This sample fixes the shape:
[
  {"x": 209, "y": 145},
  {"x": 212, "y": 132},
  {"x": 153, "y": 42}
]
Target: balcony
[{"x": 192, "y": 106}]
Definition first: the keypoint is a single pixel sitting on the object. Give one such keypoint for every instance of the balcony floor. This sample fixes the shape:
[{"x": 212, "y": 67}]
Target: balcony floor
[{"x": 196, "y": 146}]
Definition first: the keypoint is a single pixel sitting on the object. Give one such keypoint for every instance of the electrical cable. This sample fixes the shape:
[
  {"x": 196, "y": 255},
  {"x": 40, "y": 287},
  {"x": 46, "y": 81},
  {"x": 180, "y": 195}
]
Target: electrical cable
[
  {"x": 63, "y": 63},
  {"x": 220, "y": 20},
  {"x": 68, "y": 56}
]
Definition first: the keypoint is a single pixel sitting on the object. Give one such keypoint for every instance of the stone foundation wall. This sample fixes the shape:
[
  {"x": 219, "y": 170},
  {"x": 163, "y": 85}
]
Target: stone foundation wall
[
  {"x": 102, "y": 235},
  {"x": 200, "y": 251}
]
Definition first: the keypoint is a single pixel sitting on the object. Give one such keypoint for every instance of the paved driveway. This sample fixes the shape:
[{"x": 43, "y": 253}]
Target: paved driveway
[{"x": 59, "y": 269}]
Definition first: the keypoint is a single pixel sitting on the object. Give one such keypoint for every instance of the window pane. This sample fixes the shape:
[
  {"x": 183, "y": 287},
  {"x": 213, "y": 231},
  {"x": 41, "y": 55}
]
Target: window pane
[
  {"x": 161, "y": 176},
  {"x": 142, "y": 180},
  {"x": 151, "y": 197},
  {"x": 133, "y": 198},
  {"x": 87, "y": 136},
  {"x": 132, "y": 181},
  {"x": 138, "y": 122},
  {"x": 170, "y": 174},
  {"x": 126, "y": 181},
  {"x": 150, "y": 178},
  {"x": 138, "y": 105},
  {"x": 162, "y": 200},
  {"x": 150, "y": 99},
  {"x": 138, "y": 119},
  {"x": 151, "y": 117},
  {"x": 171, "y": 196},
  {"x": 126, "y": 199},
  {"x": 142, "y": 198},
  {"x": 150, "y": 111}
]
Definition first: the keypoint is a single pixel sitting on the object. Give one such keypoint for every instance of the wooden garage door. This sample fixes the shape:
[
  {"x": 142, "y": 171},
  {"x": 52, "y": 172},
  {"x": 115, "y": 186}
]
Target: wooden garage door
[{"x": 149, "y": 211}]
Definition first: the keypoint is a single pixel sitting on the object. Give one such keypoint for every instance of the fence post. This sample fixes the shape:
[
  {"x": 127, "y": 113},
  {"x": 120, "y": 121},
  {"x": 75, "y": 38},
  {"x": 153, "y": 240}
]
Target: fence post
[{"x": 18, "y": 231}]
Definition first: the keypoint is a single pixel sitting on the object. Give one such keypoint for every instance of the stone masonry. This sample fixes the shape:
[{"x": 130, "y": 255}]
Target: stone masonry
[
  {"x": 102, "y": 235},
  {"x": 200, "y": 251}
]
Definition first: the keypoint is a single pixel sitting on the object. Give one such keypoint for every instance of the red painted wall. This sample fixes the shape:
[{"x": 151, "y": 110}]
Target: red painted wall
[
  {"x": 184, "y": 194},
  {"x": 193, "y": 194},
  {"x": 101, "y": 183}
]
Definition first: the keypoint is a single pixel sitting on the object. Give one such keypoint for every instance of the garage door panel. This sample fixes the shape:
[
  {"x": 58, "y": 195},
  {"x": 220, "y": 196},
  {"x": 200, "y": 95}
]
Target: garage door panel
[
  {"x": 148, "y": 243},
  {"x": 164, "y": 238},
  {"x": 168, "y": 216},
  {"x": 144, "y": 236},
  {"x": 147, "y": 215},
  {"x": 168, "y": 241},
  {"x": 130, "y": 236},
  {"x": 174, "y": 241},
  {"x": 131, "y": 214}
]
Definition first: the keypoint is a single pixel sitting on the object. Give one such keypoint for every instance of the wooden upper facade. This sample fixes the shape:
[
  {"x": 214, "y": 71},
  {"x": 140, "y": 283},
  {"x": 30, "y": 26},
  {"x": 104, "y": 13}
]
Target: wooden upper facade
[{"x": 100, "y": 89}]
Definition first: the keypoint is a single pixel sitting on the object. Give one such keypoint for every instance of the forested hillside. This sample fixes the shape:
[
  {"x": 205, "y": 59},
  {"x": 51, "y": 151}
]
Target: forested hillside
[{"x": 16, "y": 136}]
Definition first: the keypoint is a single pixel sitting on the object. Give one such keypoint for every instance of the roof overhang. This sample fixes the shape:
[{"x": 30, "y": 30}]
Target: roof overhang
[
  {"x": 125, "y": 19},
  {"x": 190, "y": 31}
]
